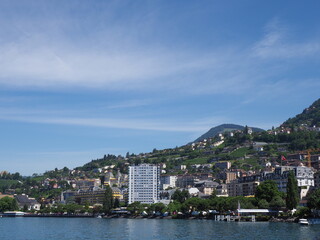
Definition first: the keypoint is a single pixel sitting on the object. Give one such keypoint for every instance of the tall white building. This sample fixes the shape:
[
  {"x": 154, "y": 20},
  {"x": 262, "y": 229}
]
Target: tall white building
[{"x": 144, "y": 183}]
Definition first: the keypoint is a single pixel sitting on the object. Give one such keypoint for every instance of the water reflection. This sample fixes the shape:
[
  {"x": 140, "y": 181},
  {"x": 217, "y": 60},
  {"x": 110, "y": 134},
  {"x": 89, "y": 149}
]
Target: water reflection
[{"x": 157, "y": 229}]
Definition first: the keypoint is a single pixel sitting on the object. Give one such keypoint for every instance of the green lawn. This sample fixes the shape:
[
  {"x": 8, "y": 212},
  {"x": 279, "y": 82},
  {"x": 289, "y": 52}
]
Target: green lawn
[
  {"x": 251, "y": 161},
  {"x": 200, "y": 160},
  {"x": 241, "y": 152}
]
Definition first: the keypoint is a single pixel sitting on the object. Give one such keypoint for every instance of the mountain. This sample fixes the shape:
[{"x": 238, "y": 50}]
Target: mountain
[
  {"x": 309, "y": 117},
  {"x": 224, "y": 128}
]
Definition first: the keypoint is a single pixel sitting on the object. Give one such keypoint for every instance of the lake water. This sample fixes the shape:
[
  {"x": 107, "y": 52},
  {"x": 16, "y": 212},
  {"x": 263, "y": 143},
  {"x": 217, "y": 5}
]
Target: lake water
[{"x": 134, "y": 229}]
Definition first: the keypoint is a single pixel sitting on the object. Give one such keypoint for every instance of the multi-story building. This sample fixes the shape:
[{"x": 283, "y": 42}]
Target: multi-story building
[
  {"x": 222, "y": 190},
  {"x": 95, "y": 195},
  {"x": 245, "y": 186},
  {"x": 144, "y": 183},
  {"x": 116, "y": 193},
  {"x": 317, "y": 180},
  {"x": 237, "y": 188},
  {"x": 185, "y": 181},
  {"x": 92, "y": 196},
  {"x": 87, "y": 184},
  {"x": 228, "y": 176},
  {"x": 304, "y": 176},
  {"x": 168, "y": 181}
]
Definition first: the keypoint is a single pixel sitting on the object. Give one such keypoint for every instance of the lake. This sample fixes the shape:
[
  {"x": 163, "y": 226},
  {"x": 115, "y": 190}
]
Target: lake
[{"x": 162, "y": 229}]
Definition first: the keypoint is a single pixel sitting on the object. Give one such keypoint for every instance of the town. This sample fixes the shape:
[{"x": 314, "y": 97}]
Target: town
[{"x": 235, "y": 169}]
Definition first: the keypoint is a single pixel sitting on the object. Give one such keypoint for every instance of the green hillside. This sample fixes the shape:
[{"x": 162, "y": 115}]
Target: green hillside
[
  {"x": 222, "y": 129},
  {"x": 309, "y": 117}
]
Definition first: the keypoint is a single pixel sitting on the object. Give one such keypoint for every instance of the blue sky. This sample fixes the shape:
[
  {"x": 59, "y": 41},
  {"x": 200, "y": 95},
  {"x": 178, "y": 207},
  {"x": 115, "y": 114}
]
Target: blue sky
[{"x": 80, "y": 79}]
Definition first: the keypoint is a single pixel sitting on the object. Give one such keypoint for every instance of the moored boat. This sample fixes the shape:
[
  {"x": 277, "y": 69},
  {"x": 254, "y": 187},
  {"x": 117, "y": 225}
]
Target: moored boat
[
  {"x": 303, "y": 221},
  {"x": 13, "y": 214}
]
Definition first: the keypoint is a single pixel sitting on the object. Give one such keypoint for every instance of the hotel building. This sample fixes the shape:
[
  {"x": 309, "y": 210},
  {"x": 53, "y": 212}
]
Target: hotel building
[{"x": 144, "y": 183}]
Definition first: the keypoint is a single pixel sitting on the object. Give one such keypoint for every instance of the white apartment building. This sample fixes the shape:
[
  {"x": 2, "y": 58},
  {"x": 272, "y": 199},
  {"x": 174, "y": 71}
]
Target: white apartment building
[{"x": 144, "y": 183}]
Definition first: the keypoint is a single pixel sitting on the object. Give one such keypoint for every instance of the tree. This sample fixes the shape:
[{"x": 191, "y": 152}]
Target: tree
[
  {"x": 292, "y": 198},
  {"x": 116, "y": 203},
  {"x": 136, "y": 207},
  {"x": 174, "y": 207},
  {"x": 25, "y": 208},
  {"x": 157, "y": 207},
  {"x": 108, "y": 200},
  {"x": 267, "y": 190},
  {"x": 197, "y": 204},
  {"x": 277, "y": 202},
  {"x": 180, "y": 196},
  {"x": 8, "y": 204},
  {"x": 314, "y": 200},
  {"x": 263, "y": 204}
]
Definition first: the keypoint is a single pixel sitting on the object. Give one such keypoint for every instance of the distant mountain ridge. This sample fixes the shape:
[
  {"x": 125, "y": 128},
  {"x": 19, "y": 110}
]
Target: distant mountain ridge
[
  {"x": 310, "y": 117},
  {"x": 224, "y": 128}
]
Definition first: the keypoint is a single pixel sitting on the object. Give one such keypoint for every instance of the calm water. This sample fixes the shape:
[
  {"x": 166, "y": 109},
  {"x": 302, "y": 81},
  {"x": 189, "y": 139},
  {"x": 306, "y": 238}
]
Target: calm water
[{"x": 84, "y": 228}]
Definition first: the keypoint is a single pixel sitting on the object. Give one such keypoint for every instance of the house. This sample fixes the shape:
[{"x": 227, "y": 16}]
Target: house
[
  {"x": 259, "y": 146},
  {"x": 193, "y": 191},
  {"x": 206, "y": 187},
  {"x": 24, "y": 201},
  {"x": 223, "y": 165}
]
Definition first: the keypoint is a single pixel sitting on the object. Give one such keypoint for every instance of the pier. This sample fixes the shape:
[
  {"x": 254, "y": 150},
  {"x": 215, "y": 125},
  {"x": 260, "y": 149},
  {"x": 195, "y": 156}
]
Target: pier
[{"x": 229, "y": 218}]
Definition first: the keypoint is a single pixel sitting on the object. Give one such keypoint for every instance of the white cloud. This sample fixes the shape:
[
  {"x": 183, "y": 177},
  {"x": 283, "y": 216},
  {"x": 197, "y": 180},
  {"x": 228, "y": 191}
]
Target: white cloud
[
  {"x": 112, "y": 58},
  {"x": 130, "y": 104},
  {"x": 121, "y": 123},
  {"x": 276, "y": 43},
  {"x": 37, "y": 65}
]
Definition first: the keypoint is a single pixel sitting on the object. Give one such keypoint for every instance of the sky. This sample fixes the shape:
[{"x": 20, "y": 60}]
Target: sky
[{"x": 80, "y": 79}]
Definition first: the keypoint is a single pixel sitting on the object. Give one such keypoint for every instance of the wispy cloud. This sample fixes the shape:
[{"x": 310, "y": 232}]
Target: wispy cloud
[
  {"x": 130, "y": 104},
  {"x": 112, "y": 57},
  {"x": 121, "y": 123},
  {"x": 34, "y": 64},
  {"x": 276, "y": 43}
]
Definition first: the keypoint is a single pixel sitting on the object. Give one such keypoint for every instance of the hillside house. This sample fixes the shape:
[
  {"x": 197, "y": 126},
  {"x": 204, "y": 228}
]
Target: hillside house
[{"x": 24, "y": 201}]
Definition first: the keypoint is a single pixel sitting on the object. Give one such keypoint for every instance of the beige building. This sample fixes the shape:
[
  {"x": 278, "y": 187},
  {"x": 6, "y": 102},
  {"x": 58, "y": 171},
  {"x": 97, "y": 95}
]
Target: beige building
[
  {"x": 228, "y": 177},
  {"x": 242, "y": 189}
]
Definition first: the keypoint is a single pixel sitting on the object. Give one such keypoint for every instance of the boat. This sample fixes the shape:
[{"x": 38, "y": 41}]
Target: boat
[
  {"x": 13, "y": 214},
  {"x": 303, "y": 221}
]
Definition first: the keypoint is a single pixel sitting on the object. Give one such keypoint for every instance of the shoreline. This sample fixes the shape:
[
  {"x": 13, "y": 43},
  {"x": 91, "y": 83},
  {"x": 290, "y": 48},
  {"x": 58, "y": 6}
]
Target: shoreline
[{"x": 212, "y": 218}]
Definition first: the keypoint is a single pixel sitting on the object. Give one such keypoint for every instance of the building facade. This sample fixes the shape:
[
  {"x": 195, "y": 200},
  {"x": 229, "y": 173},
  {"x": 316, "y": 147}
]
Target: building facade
[
  {"x": 24, "y": 201},
  {"x": 245, "y": 186},
  {"x": 168, "y": 181},
  {"x": 144, "y": 183},
  {"x": 92, "y": 196},
  {"x": 236, "y": 188}
]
